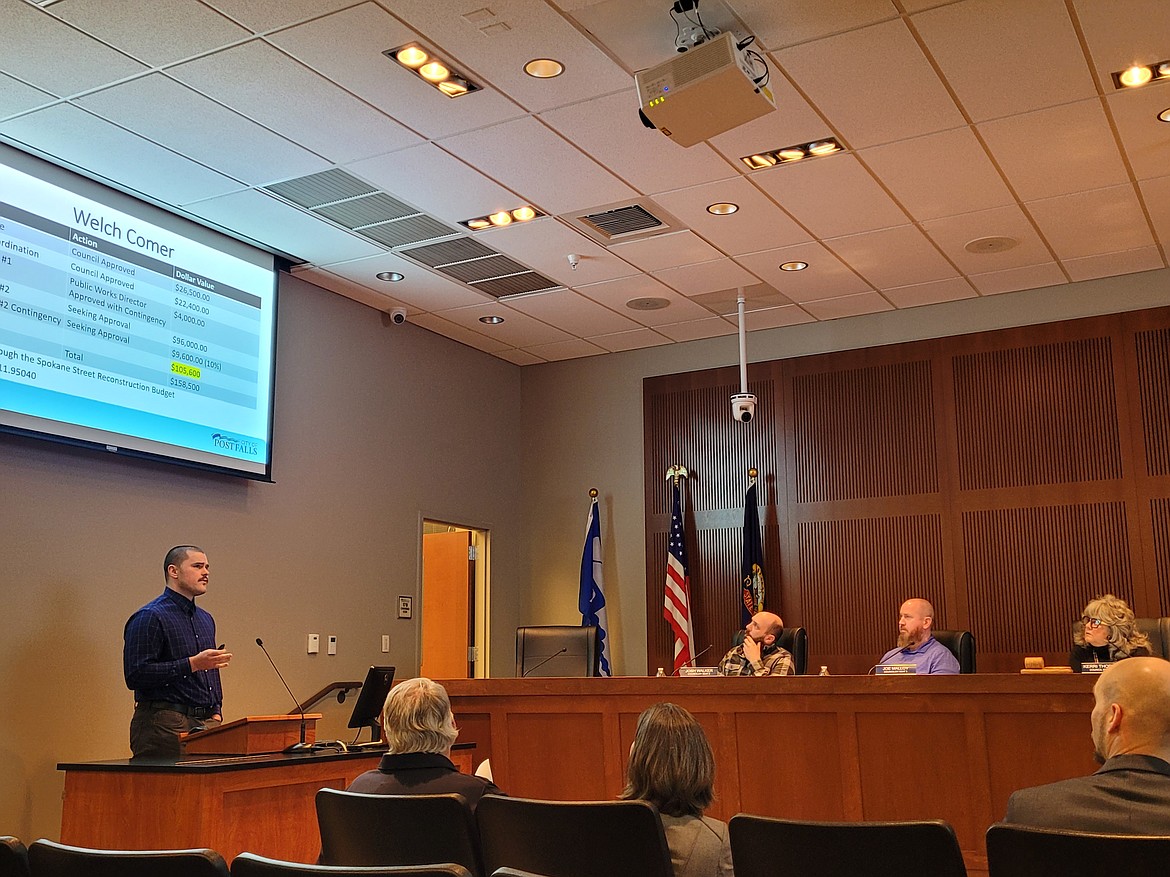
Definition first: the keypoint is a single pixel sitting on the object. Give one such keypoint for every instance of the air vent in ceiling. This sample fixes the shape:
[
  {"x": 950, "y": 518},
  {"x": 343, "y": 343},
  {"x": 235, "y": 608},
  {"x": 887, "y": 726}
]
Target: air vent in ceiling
[{"x": 615, "y": 223}]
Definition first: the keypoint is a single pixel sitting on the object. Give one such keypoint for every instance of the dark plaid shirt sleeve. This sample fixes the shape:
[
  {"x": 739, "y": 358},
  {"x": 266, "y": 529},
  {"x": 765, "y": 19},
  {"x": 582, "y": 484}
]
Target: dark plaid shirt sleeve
[{"x": 159, "y": 639}]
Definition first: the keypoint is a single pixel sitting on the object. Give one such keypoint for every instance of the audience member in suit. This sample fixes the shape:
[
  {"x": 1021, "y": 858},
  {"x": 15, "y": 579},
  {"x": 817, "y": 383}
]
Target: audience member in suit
[
  {"x": 1107, "y": 632},
  {"x": 671, "y": 766},
  {"x": 419, "y": 728},
  {"x": 916, "y": 643},
  {"x": 1130, "y": 794}
]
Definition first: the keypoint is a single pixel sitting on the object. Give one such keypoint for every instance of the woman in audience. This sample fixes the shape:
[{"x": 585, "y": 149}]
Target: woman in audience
[
  {"x": 1106, "y": 632},
  {"x": 671, "y": 766}
]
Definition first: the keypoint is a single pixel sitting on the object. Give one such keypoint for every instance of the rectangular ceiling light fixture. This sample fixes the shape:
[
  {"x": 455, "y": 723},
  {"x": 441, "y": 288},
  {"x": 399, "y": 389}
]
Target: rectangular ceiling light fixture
[
  {"x": 1141, "y": 74},
  {"x": 789, "y": 154},
  {"x": 523, "y": 213},
  {"x": 432, "y": 70}
]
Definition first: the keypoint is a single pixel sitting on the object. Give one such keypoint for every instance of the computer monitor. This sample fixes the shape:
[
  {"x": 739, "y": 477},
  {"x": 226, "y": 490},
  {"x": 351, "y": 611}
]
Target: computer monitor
[{"x": 371, "y": 699}]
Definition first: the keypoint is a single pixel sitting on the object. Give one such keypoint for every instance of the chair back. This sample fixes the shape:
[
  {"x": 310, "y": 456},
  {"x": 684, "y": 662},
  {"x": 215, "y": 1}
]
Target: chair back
[
  {"x": 1017, "y": 851},
  {"x": 558, "y": 650},
  {"x": 251, "y": 865},
  {"x": 13, "y": 858},
  {"x": 1158, "y": 630},
  {"x": 794, "y": 640},
  {"x": 49, "y": 859},
  {"x": 962, "y": 646},
  {"x": 573, "y": 839},
  {"x": 762, "y": 847},
  {"x": 360, "y": 829}
]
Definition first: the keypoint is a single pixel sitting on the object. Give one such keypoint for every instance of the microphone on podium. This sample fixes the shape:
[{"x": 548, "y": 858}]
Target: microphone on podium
[
  {"x": 545, "y": 661},
  {"x": 296, "y": 747},
  {"x": 691, "y": 662}
]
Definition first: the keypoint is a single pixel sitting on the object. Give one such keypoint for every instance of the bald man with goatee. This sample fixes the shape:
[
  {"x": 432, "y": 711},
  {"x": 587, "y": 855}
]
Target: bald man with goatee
[
  {"x": 1130, "y": 794},
  {"x": 916, "y": 642}
]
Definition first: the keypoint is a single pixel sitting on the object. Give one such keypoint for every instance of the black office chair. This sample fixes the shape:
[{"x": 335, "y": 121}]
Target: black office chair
[
  {"x": 558, "y": 650},
  {"x": 13, "y": 858},
  {"x": 251, "y": 865},
  {"x": 49, "y": 859},
  {"x": 1016, "y": 851},
  {"x": 762, "y": 847},
  {"x": 1158, "y": 630},
  {"x": 573, "y": 839},
  {"x": 793, "y": 640},
  {"x": 962, "y": 646},
  {"x": 360, "y": 829}
]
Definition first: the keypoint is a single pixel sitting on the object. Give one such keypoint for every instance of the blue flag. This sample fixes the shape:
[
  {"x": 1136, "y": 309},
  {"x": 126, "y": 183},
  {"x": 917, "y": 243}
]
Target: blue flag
[
  {"x": 591, "y": 601},
  {"x": 752, "y": 570}
]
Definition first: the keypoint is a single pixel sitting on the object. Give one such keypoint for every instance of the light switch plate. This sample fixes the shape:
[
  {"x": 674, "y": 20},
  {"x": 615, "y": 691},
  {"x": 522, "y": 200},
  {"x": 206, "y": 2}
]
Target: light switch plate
[
  {"x": 332, "y": 645},
  {"x": 314, "y": 645}
]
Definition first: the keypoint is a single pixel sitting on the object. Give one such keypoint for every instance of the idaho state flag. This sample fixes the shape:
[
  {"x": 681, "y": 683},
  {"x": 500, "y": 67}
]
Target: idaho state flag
[{"x": 752, "y": 570}]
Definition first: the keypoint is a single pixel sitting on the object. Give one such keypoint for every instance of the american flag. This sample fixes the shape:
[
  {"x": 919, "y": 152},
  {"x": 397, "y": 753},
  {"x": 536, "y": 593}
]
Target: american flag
[{"x": 677, "y": 605}]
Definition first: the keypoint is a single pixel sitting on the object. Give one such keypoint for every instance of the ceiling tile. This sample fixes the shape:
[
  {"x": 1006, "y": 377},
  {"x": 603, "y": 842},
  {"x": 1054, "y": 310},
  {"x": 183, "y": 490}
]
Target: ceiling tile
[
  {"x": 1003, "y": 58},
  {"x": 561, "y": 350},
  {"x": 505, "y": 36},
  {"x": 951, "y": 289},
  {"x": 757, "y": 297},
  {"x": 916, "y": 259},
  {"x": 1124, "y": 32},
  {"x": 800, "y": 189},
  {"x": 848, "y": 306},
  {"x": 517, "y": 330},
  {"x": 1145, "y": 139},
  {"x": 347, "y": 47},
  {"x": 572, "y": 312},
  {"x": 266, "y": 85},
  {"x": 953, "y": 233},
  {"x": 635, "y": 339},
  {"x": 1056, "y": 151},
  {"x": 825, "y": 277},
  {"x": 787, "y": 22},
  {"x": 505, "y": 152},
  {"x": 665, "y": 250},
  {"x": 50, "y": 55},
  {"x": 1114, "y": 264},
  {"x": 646, "y": 159},
  {"x": 283, "y": 228},
  {"x": 897, "y": 75},
  {"x": 463, "y": 335},
  {"x": 545, "y": 245},
  {"x": 1108, "y": 221},
  {"x": 615, "y": 293},
  {"x": 939, "y": 174},
  {"x": 176, "y": 117},
  {"x": 693, "y": 330},
  {"x": 77, "y": 137},
  {"x": 706, "y": 277},
  {"x": 1156, "y": 194},
  {"x": 158, "y": 32},
  {"x": 520, "y": 357},
  {"x": 264, "y": 15},
  {"x": 419, "y": 289},
  {"x": 17, "y": 97},
  {"x": 757, "y": 225},
  {"x": 773, "y": 318},
  {"x": 1013, "y": 279}
]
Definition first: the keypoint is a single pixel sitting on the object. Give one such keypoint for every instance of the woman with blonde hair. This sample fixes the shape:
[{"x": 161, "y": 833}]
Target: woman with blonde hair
[
  {"x": 1107, "y": 632},
  {"x": 671, "y": 766}
]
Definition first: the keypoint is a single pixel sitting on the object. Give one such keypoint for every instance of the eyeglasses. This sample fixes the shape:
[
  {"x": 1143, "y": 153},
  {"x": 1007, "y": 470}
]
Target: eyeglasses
[{"x": 1091, "y": 622}]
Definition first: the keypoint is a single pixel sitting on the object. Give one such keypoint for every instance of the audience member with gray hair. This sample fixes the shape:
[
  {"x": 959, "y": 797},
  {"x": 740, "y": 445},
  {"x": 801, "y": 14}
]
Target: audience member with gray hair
[{"x": 419, "y": 727}]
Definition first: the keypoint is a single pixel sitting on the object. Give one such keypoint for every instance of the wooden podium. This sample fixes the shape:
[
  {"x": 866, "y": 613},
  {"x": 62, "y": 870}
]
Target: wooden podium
[{"x": 251, "y": 735}]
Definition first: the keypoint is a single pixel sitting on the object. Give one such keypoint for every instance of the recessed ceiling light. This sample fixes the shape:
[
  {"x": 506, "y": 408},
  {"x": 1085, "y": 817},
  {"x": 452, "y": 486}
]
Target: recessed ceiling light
[
  {"x": 759, "y": 161},
  {"x": 1135, "y": 76},
  {"x": 723, "y": 208},
  {"x": 648, "y": 303},
  {"x": 389, "y": 276},
  {"x": 492, "y": 320},
  {"x": 793, "y": 266},
  {"x": 432, "y": 70},
  {"x": 791, "y": 154},
  {"x": 411, "y": 56},
  {"x": 823, "y": 147},
  {"x": 1141, "y": 74},
  {"x": 501, "y": 218},
  {"x": 544, "y": 68},
  {"x": 786, "y": 154},
  {"x": 1164, "y": 116},
  {"x": 523, "y": 214}
]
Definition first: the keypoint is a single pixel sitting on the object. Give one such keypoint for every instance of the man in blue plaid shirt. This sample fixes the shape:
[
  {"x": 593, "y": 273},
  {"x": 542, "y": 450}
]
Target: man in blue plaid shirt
[{"x": 171, "y": 661}]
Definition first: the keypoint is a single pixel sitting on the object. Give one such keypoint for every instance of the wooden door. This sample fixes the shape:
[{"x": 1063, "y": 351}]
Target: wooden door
[{"x": 447, "y": 616}]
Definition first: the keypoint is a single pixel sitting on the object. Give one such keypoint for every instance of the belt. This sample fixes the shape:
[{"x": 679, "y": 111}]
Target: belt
[{"x": 195, "y": 712}]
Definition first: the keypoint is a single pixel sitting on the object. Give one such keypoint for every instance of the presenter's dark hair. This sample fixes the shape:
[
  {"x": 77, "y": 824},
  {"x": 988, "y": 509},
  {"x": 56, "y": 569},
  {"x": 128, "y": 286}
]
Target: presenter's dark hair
[
  {"x": 671, "y": 765},
  {"x": 177, "y": 555}
]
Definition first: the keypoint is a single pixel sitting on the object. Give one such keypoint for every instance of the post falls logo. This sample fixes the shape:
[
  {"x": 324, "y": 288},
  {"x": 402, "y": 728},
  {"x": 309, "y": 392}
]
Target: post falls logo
[{"x": 235, "y": 445}]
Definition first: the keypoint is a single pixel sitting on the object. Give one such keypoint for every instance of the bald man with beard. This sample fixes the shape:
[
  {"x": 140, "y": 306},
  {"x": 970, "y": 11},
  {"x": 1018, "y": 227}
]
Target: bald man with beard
[
  {"x": 916, "y": 642},
  {"x": 760, "y": 653},
  {"x": 1130, "y": 794}
]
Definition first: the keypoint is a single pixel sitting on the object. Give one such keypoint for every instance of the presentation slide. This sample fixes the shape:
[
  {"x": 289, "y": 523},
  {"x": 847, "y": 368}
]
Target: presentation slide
[{"x": 129, "y": 334}]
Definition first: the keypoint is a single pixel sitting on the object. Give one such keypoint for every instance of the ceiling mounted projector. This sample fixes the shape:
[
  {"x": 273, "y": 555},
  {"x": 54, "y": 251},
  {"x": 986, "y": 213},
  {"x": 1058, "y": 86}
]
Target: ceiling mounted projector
[{"x": 712, "y": 88}]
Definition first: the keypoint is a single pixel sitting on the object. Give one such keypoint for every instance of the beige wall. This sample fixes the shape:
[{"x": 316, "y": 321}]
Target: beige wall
[
  {"x": 376, "y": 427},
  {"x": 584, "y": 429}
]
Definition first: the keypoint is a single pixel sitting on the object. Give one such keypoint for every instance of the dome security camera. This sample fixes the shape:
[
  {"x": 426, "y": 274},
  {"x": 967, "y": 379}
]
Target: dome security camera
[
  {"x": 743, "y": 407},
  {"x": 398, "y": 316}
]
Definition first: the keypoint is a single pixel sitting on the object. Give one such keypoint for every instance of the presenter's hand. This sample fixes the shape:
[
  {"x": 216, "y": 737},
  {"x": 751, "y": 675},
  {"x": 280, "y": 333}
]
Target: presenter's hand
[
  {"x": 210, "y": 659},
  {"x": 751, "y": 650}
]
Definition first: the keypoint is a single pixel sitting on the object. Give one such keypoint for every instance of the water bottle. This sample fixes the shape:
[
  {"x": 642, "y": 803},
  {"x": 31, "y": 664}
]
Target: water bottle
[
  {"x": 661, "y": 672},
  {"x": 824, "y": 670}
]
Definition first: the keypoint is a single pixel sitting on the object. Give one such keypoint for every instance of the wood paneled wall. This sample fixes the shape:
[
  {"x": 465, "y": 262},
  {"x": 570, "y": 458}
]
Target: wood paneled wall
[{"x": 1006, "y": 476}]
